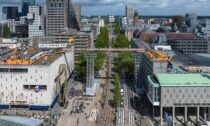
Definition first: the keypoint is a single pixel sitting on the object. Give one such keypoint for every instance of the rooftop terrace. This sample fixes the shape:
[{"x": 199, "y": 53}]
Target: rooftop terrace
[
  {"x": 27, "y": 56},
  {"x": 157, "y": 55}
]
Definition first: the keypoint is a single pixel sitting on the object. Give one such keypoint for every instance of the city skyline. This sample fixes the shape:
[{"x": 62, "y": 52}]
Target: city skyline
[{"x": 116, "y": 7}]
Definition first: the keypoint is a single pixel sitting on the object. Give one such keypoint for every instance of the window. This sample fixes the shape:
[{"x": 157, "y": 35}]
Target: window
[
  {"x": 4, "y": 70},
  {"x": 32, "y": 87},
  {"x": 19, "y": 70}
]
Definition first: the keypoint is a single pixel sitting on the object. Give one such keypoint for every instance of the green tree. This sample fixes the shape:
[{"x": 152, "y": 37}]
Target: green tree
[
  {"x": 117, "y": 95},
  {"x": 80, "y": 68},
  {"x": 117, "y": 29},
  {"x": 125, "y": 63},
  {"x": 121, "y": 42},
  {"x": 102, "y": 40},
  {"x": 6, "y": 31},
  {"x": 99, "y": 61}
]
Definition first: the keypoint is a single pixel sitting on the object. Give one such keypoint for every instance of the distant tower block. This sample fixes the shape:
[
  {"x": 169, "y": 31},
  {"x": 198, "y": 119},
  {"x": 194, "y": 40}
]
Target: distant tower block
[{"x": 90, "y": 87}]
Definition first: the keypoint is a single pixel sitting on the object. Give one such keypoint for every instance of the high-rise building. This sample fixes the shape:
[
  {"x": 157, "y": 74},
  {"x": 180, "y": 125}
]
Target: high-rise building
[
  {"x": 36, "y": 21},
  {"x": 136, "y": 18},
  {"x": 57, "y": 16},
  {"x": 25, "y": 6},
  {"x": 129, "y": 11},
  {"x": 191, "y": 21},
  {"x": 21, "y": 30},
  {"x": 74, "y": 17},
  {"x": 10, "y": 13},
  {"x": 1, "y": 30}
]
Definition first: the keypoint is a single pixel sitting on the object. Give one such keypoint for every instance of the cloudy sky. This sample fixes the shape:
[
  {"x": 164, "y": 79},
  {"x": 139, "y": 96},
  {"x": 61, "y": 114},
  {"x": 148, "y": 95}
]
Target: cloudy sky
[{"x": 145, "y": 7}]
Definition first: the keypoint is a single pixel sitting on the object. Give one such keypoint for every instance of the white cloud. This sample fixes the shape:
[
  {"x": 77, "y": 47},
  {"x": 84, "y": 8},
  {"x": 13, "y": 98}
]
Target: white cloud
[{"x": 147, "y": 6}]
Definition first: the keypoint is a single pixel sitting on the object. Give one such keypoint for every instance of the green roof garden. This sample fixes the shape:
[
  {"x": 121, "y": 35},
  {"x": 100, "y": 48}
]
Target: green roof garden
[{"x": 184, "y": 80}]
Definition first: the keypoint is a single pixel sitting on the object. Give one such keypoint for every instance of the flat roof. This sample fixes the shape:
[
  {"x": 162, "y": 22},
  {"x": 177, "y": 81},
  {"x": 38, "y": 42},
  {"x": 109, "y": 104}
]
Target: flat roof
[
  {"x": 28, "y": 56},
  {"x": 184, "y": 80},
  {"x": 19, "y": 121}
]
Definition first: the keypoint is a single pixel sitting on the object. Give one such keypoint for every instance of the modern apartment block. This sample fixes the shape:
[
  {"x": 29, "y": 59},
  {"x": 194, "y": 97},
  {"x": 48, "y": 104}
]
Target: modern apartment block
[
  {"x": 21, "y": 30},
  {"x": 129, "y": 12},
  {"x": 190, "y": 46},
  {"x": 74, "y": 16},
  {"x": 57, "y": 16},
  {"x": 10, "y": 13},
  {"x": 25, "y": 6},
  {"x": 36, "y": 21}
]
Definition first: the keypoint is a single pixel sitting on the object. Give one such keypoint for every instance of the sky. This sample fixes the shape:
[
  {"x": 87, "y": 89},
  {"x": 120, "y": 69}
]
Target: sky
[{"x": 144, "y": 7}]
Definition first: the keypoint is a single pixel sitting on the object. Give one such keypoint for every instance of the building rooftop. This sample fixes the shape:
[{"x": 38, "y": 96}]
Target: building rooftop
[
  {"x": 157, "y": 55},
  {"x": 18, "y": 121},
  {"x": 184, "y": 80},
  {"x": 170, "y": 35},
  {"x": 27, "y": 56}
]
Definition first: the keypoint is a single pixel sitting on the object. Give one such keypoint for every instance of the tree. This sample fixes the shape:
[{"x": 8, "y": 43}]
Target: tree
[
  {"x": 99, "y": 61},
  {"x": 117, "y": 95},
  {"x": 117, "y": 29},
  {"x": 6, "y": 31},
  {"x": 102, "y": 40},
  {"x": 80, "y": 68},
  {"x": 121, "y": 42},
  {"x": 125, "y": 63}
]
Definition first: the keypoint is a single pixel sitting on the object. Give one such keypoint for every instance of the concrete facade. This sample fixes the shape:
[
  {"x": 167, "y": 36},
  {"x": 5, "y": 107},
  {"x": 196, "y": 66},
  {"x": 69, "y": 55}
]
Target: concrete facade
[
  {"x": 19, "y": 84},
  {"x": 190, "y": 46},
  {"x": 57, "y": 16},
  {"x": 36, "y": 21}
]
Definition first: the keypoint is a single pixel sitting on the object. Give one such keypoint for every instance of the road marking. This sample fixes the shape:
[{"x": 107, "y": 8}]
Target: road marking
[{"x": 93, "y": 115}]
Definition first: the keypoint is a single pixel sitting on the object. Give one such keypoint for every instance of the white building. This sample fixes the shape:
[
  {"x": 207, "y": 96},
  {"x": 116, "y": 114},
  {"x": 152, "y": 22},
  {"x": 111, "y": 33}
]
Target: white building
[
  {"x": 206, "y": 30},
  {"x": 34, "y": 81},
  {"x": 129, "y": 12},
  {"x": 111, "y": 19},
  {"x": 36, "y": 21},
  {"x": 124, "y": 21}
]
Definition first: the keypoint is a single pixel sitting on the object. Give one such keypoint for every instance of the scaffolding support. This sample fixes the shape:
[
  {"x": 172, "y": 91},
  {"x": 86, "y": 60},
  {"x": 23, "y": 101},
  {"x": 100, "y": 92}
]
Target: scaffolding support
[{"x": 90, "y": 56}]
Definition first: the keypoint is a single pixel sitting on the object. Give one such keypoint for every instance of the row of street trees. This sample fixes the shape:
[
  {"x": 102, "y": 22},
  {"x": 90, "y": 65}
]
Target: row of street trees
[
  {"x": 117, "y": 96},
  {"x": 123, "y": 63},
  {"x": 102, "y": 41}
]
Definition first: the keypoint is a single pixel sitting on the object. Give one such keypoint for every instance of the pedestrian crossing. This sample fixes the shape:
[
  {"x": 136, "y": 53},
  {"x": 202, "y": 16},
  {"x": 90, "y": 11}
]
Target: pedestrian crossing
[
  {"x": 120, "y": 117},
  {"x": 93, "y": 115},
  {"x": 131, "y": 118},
  {"x": 125, "y": 117}
]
